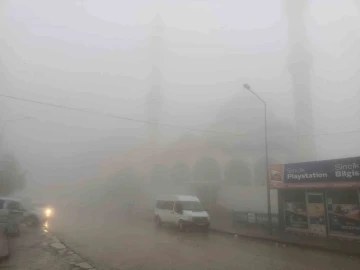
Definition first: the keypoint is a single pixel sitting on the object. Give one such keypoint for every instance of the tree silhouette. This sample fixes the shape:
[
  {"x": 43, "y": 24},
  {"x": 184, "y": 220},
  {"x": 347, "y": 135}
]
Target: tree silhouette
[{"x": 12, "y": 178}]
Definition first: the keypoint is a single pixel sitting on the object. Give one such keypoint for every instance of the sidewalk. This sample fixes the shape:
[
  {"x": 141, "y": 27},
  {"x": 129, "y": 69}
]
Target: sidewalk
[
  {"x": 29, "y": 252},
  {"x": 36, "y": 249},
  {"x": 348, "y": 247}
]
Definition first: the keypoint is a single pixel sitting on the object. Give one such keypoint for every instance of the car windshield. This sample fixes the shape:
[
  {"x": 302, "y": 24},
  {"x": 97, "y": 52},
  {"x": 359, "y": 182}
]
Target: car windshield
[{"x": 192, "y": 206}]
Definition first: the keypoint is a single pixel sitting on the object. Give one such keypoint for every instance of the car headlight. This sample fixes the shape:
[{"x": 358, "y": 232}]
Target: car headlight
[{"x": 48, "y": 212}]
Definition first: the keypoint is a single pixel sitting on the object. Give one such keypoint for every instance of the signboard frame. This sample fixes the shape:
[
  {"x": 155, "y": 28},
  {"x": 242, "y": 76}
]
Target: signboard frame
[{"x": 335, "y": 173}]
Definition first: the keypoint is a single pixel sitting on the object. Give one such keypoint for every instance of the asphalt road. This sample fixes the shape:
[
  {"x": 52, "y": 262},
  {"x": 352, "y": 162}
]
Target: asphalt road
[{"x": 119, "y": 243}]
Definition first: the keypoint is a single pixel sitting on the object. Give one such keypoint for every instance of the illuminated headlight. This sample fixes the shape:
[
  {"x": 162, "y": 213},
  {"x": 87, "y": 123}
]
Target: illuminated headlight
[{"x": 48, "y": 212}]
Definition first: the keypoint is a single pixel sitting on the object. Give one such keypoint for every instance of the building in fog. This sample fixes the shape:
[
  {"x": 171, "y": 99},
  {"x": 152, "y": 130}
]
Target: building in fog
[
  {"x": 207, "y": 66},
  {"x": 300, "y": 67}
]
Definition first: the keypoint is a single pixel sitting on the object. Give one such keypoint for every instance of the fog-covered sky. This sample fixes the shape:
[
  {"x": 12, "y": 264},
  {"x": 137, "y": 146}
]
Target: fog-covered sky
[{"x": 94, "y": 55}]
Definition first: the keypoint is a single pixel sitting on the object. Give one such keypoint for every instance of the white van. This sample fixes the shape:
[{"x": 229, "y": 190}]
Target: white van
[{"x": 182, "y": 211}]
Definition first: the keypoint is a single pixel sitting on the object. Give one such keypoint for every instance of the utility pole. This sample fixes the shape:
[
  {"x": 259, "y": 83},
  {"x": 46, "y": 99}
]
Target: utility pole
[{"x": 248, "y": 87}]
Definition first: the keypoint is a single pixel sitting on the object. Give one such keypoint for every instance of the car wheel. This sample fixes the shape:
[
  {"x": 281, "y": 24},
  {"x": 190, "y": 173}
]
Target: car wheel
[
  {"x": 181, "y": 226},
  {"x": 158, "y": 222}
]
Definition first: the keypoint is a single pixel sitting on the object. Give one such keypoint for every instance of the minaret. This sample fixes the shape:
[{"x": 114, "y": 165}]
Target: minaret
[
  {"x": 154, "y": 100},
  {"x": 299, "y": 65},
  {"x": 357, "y": 73}
]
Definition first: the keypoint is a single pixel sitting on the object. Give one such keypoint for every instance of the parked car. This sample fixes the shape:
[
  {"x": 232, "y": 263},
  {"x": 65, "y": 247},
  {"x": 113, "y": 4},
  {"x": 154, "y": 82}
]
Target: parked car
[
  {"x": 11, "y": 215},
  {"x": 13, "y": 212},
  {"x": 181, "y": 210}
]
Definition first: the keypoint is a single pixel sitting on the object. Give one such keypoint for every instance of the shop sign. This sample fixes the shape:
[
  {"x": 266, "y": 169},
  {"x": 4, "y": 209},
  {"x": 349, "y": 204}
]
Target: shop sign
[
  {"x": 263, "y": 218},
  {"x": 327, "y": 173},
  {"x": 251, "y": 218}
]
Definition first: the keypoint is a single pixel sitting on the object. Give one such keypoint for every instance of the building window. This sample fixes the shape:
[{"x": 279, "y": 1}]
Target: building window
[
  {"x": 343, "y": 212},
  {"x": 295, "y": 210}
]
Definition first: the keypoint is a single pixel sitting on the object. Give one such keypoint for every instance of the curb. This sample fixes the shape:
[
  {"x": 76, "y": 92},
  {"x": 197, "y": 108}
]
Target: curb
[
  {"x": 76, "y": 261},
  {"x": 289, "y": 243}
]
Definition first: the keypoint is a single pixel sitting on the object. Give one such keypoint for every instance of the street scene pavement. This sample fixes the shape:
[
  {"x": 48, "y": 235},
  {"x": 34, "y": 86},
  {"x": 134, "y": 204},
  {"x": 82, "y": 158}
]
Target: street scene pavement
[
  {"x": 37, "y": 249},
  {"x": 30, "y": 251},
  {"x": 119, "y": 242}
]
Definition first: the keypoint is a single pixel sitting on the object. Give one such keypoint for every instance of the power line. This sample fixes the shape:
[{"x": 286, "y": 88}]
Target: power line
[
  {"x": 118, "y": 117},
  {"x": 331, "y": 133},
  {"x": 171, "y": 125},
  {"x": 317, "y": 134}
]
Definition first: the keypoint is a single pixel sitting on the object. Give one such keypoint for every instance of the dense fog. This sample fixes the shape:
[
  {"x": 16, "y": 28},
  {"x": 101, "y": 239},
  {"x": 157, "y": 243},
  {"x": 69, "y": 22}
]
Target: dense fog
[{"x": 89, "y": 87}]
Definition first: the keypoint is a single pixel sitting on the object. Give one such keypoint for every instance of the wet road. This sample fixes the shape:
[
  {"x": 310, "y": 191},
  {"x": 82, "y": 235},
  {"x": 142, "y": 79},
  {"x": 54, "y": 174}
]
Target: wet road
[
  {"x": 28, "y": 252},
  {"x": 121, "y": 244}
]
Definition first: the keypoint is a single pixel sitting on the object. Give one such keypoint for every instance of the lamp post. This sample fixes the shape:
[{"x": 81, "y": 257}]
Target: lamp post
[
  {"x": 248, "y": 87},
  {"x": 2, "y": 131}
]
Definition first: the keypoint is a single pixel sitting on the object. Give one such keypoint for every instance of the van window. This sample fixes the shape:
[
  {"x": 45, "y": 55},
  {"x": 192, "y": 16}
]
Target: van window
[
  {"x": 178, "y": 207},
  {"x": 165, "y": 205},
  {"x": 159, "y": 204},
  {"x": 168, "y": 205},
  {"x": 192, "y": 206}
]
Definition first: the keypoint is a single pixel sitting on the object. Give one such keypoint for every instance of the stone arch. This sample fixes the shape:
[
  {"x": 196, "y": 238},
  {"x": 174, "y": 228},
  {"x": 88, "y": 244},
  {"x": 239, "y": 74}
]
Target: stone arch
[
  {"x": 236, "y": 172},
  {"x": 207, "y": 170}
]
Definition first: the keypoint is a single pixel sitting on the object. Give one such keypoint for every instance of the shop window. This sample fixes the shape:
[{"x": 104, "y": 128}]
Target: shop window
[
  {"x": 343, "y": 196},
  {"x": 295, "y": 210},
  {"x": 343, "y": 212}
]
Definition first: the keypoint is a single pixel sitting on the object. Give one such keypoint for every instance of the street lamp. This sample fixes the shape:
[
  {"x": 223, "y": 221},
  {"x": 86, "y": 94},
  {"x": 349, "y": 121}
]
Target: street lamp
[
  {"x": 10, "y": 121},
  {"x": 248, "y": 87}
]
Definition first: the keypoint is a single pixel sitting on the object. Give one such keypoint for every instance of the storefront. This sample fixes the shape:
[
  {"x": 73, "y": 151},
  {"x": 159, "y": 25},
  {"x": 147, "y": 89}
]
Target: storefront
[{"x": 320, "y": 198}]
